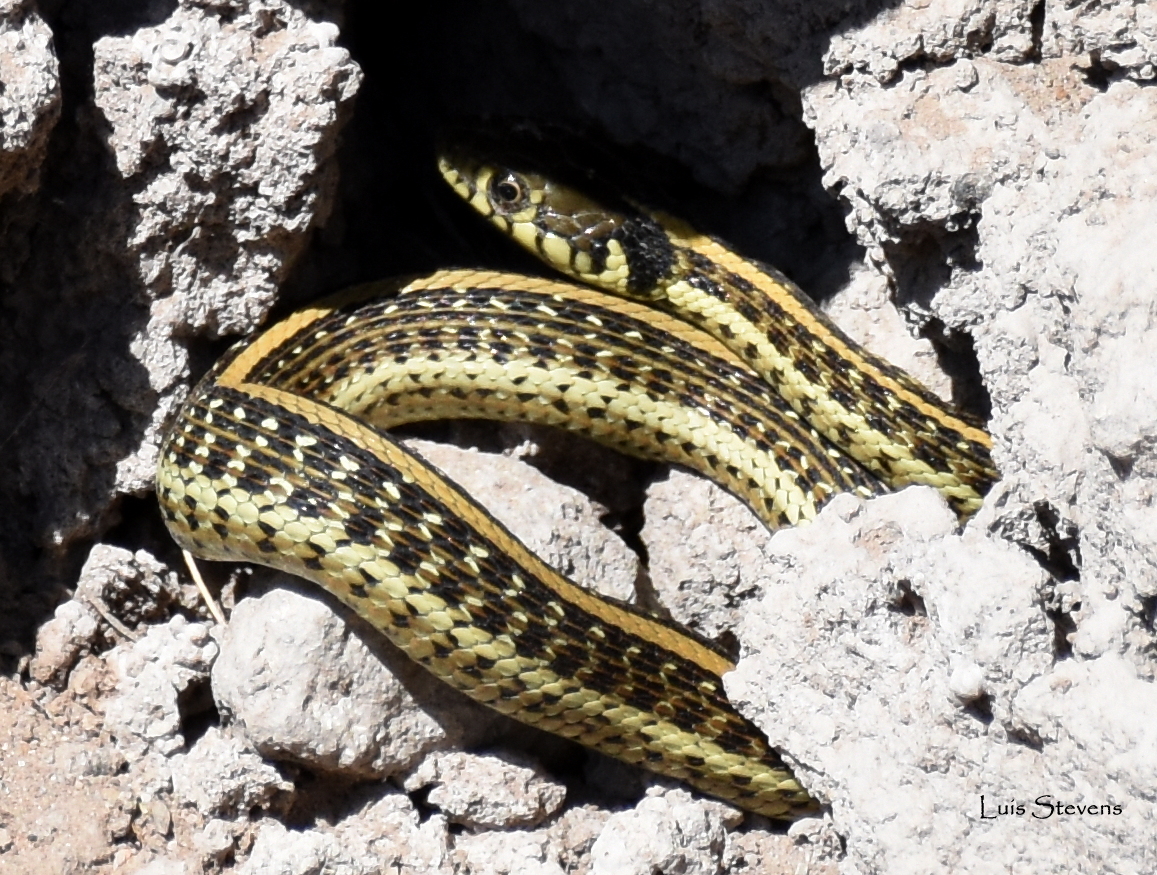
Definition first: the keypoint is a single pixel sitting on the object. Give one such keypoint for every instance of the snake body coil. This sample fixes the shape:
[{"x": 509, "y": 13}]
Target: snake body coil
[
  {"x": 276, "y": 458},
  {"x": 872, "y": 410}
]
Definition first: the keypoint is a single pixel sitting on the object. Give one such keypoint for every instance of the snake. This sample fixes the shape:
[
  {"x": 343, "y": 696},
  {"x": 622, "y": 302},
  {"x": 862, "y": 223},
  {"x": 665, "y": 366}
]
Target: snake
[
  {"x": 281, "y": 456},
  {"x": 881, "y": 416}
]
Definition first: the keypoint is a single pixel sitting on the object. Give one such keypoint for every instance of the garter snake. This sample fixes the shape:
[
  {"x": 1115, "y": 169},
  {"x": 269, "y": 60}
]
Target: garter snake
[
  {"x": 277, "y": 457},
  {"x": 874, "y": 411}
]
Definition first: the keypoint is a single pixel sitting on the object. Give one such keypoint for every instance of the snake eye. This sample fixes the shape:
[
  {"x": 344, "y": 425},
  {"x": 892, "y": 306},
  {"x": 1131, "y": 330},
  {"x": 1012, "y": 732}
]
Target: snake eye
[{"x": 507, "y": 190}]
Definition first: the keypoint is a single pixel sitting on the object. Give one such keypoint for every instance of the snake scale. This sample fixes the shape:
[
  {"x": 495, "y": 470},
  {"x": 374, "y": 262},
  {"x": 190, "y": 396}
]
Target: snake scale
[{"x": 682, "y": 352}]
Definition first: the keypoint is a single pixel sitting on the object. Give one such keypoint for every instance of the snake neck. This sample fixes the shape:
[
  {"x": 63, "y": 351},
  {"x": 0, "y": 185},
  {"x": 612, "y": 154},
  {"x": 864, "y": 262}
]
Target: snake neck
[{"x": 884, "y": 419}]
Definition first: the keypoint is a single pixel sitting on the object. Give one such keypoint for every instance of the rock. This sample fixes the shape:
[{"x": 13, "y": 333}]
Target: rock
[
  {"x": 385, "y": 835},
  {"x": 224, "y": 123},
  {"x": 509, "y": 853},
  {"x": 302, "y": 685},
  {"x": 187, "y": 183},
  {"x": 702, "y": 577},
  {"x": 666, "y": 832},
  {"x": 29, "y": 98},
  {"x": 62, "y": 640},
  {"x": 220, "y": 776},
  {"x": 487, "y": 791},
  {"x": 153, "y": 674},
  {"x": 903, "y": 668}
]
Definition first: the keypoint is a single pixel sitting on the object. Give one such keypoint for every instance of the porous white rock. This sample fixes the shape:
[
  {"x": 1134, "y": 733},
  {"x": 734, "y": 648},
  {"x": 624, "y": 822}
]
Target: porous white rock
[
  {"x": 1029, "y": 190},
  {"x": 668, "y": 831},
  {"x": 487, "y": 790},
  {"x": 136, "y": 584},
  {"x": 224, "y": 124},
  {"x": 62, "y": 640},
  {"x": 511, "y": 852},
  {"x": 143, "y": 715},
  {"x": 303, "y": 684},
  {"x": 29, "y": 94},
  {"x": 703, "y": 579},
  {"x": 387, "y": 835},
  {"x": 214, "y": 841},
  {"x": 132, "y": 587},
  {"x": 221, "y": 776},
  {"x": 853, "y": 665},
  {"x": 1113, "y": 36}
]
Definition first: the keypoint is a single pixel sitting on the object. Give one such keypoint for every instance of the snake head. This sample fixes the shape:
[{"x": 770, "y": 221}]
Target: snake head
[{"x": 604, "y": 242}]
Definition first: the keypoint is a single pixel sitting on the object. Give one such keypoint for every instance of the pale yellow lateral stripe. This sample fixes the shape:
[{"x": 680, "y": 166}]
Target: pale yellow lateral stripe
[
  {"x": 474, "y": 516},
  {"x": 743, "y": 268}
]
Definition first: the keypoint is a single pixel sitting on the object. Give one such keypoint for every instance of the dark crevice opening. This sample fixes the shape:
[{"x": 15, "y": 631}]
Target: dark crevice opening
[
  {"x": 1026, "y": 736},
  {"x": 1100, "y": 72},
  {"x": 728, "y": 641},
  {"x": 197, "y": 710},
  {"x": 140, "y": 525},
  {"x": 956, "y": 355},
  {"x": 1064, "y": 626},
  {"x": 647, "y": 596},
  {"x": 628, "y": 525},
  {"x": 930, "y": 256},
  {"x": 325, "y": 797},
  {"x": 1036, "y": 20},
  {"x": 1122, "y": 465},
  {"x": 929, "y": 261},
  {"x": 420, "y": 799},
  {"x": 981, "y": 709},
  {"x": 980, "y": 41},
  {"x": 1146, "y": 614},
  {"x": 908, "y": 602},
  {"x": 1148, "y": 611},
  {"x": 1062, "y": 558}
]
